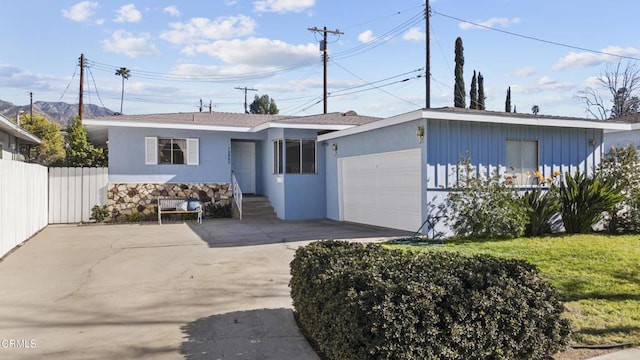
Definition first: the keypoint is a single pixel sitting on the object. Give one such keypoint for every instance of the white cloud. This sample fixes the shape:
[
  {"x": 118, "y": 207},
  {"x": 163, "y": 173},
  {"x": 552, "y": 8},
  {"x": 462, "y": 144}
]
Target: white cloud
[
  {"x": 259, "y": 53},
  {"x": 525, "y": 71},
  {"x": 492, "y": 23},
  {"x": 544, "y": 84},
  {"x": 202, "y": 29},
  {"x": 80, "y": 12},
  {"x": 584, "y": 59},
  {"x": 129, "y": 14},
  {"x": 366, "y": 36},
  {"x": 282, "y": 6},
  {"x": 414, "y": 34},
  {"x": 172, "y": 10},
  {"x": 134, "y": 46},
  {"x": 100, "y": 22}
]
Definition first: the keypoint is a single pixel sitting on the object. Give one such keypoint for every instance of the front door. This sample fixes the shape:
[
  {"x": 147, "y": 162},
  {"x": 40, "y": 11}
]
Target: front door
[{"x": 243, "y": 165}]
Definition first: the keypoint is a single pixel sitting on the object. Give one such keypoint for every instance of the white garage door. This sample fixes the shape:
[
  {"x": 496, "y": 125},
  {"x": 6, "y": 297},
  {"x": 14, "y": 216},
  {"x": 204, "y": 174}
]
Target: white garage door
[{"x": 382, "y": 189}]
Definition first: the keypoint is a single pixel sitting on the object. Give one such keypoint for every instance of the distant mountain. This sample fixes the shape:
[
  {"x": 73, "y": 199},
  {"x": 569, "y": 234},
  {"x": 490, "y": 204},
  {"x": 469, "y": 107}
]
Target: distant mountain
[{"x": 59, "y": 112}]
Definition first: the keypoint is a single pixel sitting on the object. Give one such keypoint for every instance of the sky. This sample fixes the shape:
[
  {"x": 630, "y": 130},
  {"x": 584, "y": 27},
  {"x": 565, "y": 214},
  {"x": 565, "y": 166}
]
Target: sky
[{"x": 180, "y": 53}]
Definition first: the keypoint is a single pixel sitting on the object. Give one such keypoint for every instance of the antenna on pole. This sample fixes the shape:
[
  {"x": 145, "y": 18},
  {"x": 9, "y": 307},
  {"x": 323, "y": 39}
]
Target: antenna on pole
[
  {"x": 325, "y": 56},
  {"x": 245, "y": 89}
]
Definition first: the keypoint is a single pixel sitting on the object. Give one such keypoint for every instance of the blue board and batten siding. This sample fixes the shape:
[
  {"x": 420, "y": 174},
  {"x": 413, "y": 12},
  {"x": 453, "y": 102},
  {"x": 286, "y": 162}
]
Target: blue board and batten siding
[
  {"x": 446, "y": 142},
  {"x": 559, "y": 148}
]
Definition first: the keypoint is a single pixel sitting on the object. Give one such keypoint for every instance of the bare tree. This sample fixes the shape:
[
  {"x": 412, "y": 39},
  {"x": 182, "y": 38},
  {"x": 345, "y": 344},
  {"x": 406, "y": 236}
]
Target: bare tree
[{"x": 621, "y": 82}]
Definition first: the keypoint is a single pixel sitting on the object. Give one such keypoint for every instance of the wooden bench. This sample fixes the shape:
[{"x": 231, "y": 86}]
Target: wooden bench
[{"x": 177, "y": 206}]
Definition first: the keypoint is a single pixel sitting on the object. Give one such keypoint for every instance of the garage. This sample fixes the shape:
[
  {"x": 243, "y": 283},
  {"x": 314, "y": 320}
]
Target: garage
[{"x": 382, "y": 189}]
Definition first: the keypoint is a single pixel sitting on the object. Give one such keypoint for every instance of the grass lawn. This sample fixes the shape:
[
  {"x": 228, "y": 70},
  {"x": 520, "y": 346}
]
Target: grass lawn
[{"x": 598, "y": 277}]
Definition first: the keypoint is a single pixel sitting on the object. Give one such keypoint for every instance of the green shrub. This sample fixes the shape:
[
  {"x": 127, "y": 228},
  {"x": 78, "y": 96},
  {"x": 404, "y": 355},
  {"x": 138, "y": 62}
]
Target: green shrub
[
  {"x": 585, "y": 199},
  {"x": 134, "y": 217},
  {"x": 217, "y": 211},
  {"x": 365, "y": 302},
  {"x": 541, "y": 205},
  {"x": 622, "y": 165},
  {"x": 99, "y": 213},
  {"x": 484, "y": 206}
]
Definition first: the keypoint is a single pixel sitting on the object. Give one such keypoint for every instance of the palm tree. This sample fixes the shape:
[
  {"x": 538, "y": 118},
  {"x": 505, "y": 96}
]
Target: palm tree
[
  {"x": 124, "y": 73},
  {"x": 535, "y": 109}
]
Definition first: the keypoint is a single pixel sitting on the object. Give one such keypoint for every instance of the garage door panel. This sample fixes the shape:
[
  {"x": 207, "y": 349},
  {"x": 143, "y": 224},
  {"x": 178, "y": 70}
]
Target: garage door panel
[{"x": 382, "y": 189}]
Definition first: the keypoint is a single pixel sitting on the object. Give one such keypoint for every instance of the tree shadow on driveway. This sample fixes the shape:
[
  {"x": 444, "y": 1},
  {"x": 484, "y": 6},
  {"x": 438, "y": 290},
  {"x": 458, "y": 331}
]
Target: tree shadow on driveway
[{"x": 265, "y": 334}]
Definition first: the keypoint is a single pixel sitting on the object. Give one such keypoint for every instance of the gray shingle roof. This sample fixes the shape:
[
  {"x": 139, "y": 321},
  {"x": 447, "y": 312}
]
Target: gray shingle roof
[{"x": 240, "y": 119}]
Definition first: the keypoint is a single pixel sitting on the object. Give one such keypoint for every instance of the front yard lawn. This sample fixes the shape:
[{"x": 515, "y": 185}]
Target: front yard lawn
[{"x": 598, "y": 277}]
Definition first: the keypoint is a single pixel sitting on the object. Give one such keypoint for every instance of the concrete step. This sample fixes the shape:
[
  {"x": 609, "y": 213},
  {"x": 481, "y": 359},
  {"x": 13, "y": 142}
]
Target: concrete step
[{"x": 257, "y": 207}]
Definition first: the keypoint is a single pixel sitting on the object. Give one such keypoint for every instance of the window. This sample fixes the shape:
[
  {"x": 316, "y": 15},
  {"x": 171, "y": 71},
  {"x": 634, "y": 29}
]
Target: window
[
  {"x": 300, "y": 156},
  {"x": 171, "y": 151},
  {"x": 277, "y": 157},
  {"x": 521, "y": 160}
]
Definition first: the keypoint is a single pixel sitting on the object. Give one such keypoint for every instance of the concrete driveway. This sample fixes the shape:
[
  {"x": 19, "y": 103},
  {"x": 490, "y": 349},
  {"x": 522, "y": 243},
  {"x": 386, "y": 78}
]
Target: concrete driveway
[{"x": 212, "y": 291}]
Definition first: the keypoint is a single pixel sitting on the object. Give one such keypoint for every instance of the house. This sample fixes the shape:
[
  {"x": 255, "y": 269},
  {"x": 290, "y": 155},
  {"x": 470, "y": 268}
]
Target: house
[
  {"x": 195, "y": 154},
  {"x": 623, "y": 138},
  {"x": 12, "y": 138},
  {"x": 387, "y": 172},
  {"x": 395, "y": 171}
]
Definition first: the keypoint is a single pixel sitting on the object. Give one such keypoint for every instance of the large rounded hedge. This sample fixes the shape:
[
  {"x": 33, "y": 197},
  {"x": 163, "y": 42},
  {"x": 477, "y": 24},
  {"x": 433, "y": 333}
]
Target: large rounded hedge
[{"x": 359, "y": 301}]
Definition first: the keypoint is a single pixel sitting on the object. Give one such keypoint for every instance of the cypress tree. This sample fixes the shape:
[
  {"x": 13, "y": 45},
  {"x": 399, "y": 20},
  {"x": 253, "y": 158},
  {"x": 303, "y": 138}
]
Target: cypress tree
[
  {"x": 481, "y": 96},
  {"x": 473, "y": 95},
  {"x": 458, "y": 90},
  {"x": 507, "y": 103}
]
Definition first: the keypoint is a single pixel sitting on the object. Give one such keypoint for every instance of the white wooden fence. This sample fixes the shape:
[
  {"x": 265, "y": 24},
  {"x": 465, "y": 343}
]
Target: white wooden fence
[
  {"x": 23, "y": 202},
  {"x": 74, "y": 191}
]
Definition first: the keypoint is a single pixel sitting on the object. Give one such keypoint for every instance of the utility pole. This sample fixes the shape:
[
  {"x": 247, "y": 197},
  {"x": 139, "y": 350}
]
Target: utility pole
[
  {"x": 80, "y": 100},
  {"x": 325, "y": 57},
  {"x": 427, "y": 15},
  {"x": 245, "y": 89}
]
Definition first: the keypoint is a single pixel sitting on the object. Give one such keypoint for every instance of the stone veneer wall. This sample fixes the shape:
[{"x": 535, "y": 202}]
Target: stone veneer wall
[{"x": 127, "y": 199}]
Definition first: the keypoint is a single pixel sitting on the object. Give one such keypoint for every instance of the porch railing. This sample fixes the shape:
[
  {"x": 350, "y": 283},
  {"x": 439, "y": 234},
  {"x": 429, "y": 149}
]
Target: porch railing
[{"x": 237, "y": 193}]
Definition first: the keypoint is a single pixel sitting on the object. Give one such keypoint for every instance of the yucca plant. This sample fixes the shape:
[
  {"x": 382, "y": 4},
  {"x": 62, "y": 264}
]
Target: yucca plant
[
  {"x": 584, "y": 200},
  {"x": 540, "y": 206}
]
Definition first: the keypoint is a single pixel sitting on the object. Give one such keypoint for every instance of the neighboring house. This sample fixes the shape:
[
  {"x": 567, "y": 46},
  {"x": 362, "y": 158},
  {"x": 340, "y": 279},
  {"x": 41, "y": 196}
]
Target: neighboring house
[
  {"x": 12, "y": 138},
  {"x": 194, "y": 154},
  {"x": 393, "y": 172},
  {"x": 388, "y": 172},
  {"x": 623, "y": 138}
]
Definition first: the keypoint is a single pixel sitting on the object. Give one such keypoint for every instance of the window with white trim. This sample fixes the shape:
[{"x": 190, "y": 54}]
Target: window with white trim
[
  {"x": 521, "y": 161},
  {"x": 171, "y": 151}
]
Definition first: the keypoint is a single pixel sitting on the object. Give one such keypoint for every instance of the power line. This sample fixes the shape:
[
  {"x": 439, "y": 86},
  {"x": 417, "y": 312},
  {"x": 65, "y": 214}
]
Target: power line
[
  {"x": 536, "y": 39},
  {"x": 382, "y": 39},
  {"x": 377, "y": 87}
]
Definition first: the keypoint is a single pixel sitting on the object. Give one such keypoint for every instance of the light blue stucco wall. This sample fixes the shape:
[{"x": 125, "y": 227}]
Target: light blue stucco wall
[
  {"x": 305, "y": 194},
  {"x": 127, "y": 152},
  {"x": 272, "y": 184},
  {"x": 392, "y": 138},
  {"x": 293, "y": 196}
]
